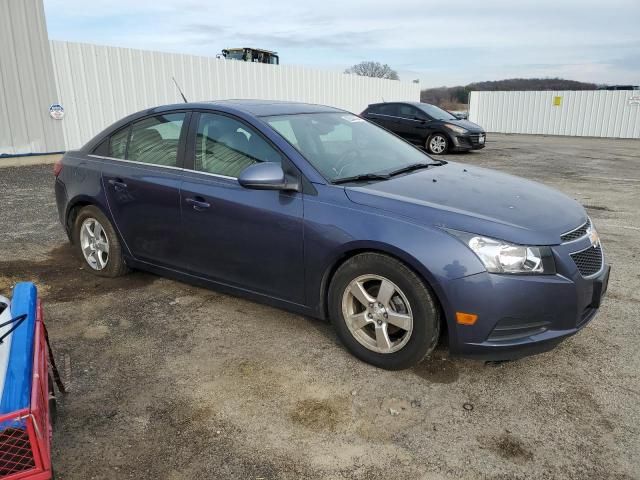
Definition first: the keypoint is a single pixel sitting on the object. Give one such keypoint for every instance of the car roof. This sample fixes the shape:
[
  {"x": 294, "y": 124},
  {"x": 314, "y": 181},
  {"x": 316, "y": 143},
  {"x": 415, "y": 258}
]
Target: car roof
[
  {"x": 415, "y": 104},
  {"x": 258, "y": 108}
]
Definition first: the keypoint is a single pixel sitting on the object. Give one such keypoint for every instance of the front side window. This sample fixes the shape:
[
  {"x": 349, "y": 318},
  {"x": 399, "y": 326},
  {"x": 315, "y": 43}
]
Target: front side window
[
  {"x": 155, "y": 140},
  {"x": 407, "y": 111},
  {"x": 390, "y": 109},
  {"x": 225, "y": 146},
  {"x": 341, "y": 145}
]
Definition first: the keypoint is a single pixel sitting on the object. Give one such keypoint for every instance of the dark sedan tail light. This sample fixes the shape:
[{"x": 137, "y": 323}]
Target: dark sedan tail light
[{"x": 57, "y": 167}]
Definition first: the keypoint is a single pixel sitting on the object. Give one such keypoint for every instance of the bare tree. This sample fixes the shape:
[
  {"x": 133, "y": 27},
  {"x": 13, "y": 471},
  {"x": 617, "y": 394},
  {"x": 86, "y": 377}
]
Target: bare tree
[{"x": 373, "y": 69}]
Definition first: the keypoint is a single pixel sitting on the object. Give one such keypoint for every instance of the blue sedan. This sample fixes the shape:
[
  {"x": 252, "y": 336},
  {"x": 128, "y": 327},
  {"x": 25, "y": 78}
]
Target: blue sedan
[{"x": 321, "y": 212}]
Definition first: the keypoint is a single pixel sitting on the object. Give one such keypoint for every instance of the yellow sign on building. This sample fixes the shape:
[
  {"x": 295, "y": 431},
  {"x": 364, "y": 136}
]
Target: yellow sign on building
[{"x": 557, "y": 101}]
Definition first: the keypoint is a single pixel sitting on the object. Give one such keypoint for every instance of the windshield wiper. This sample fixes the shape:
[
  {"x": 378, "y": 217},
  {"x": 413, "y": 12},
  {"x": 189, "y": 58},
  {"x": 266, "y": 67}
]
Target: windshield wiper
[
  {"x": 361, "y": 178},
  {"x": 416, "y": 166}
]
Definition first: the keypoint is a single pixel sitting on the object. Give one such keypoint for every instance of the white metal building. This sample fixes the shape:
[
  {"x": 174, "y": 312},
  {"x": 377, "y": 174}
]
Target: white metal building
[
  {"x": 27, "y": 86},
  {"x": 588, "y": 113},
  {"x": 98, "y": 85}
]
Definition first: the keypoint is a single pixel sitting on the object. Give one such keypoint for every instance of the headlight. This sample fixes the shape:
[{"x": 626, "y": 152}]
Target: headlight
[
  {"x": 503, "y": 257},
  {"x": 455, "y": 128}
]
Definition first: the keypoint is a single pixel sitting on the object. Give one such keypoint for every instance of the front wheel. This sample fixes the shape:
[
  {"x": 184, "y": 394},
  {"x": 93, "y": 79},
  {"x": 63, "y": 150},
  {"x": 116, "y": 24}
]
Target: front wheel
[
  {"x": 383, "y": 312},
  {"x": 438, "y": 144}
]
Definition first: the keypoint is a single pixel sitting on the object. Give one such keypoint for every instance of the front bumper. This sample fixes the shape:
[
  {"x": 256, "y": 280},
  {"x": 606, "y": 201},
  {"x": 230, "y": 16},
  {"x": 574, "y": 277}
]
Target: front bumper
[
  {"x": 521, "y": 315},
  {"x": 468, "y": 141}
]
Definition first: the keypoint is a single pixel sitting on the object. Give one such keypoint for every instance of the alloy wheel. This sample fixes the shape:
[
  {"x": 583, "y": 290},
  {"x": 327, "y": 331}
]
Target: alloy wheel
[
  {"x": 94, "y": 244},
  {"x": 437, "y": 144},
  {"x": 377, "y": 313}
]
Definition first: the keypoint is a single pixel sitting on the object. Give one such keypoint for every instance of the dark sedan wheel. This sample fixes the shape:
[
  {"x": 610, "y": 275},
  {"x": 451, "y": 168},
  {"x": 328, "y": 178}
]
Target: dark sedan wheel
[
  {"x": 98, "y": 243},
  {"x": 383, "y": 312},
  {"x": 438, "y": 144}
]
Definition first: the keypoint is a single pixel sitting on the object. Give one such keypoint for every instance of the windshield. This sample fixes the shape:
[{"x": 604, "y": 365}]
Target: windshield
[
  {"x": 235, "y": 55},
  {"x": 342, "y": 145},
  {"x": 436, "y": 112}
]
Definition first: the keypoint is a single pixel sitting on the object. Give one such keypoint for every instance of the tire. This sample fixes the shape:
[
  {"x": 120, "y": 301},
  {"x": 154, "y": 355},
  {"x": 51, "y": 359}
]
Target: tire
[
  {"x": 411, "y": 305},
  {"x": 107, "y": 260},
  {"x": 437, "y": 144}
]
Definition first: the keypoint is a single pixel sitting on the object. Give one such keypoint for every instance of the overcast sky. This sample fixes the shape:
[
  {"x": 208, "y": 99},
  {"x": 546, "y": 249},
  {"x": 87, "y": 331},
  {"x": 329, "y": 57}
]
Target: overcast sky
[{"x": 441, "y": 43}]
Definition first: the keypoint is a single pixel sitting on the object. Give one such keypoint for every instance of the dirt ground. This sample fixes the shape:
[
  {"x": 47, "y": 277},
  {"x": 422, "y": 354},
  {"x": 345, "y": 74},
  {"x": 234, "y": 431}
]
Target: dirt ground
[{"x": 170, "y": 381}]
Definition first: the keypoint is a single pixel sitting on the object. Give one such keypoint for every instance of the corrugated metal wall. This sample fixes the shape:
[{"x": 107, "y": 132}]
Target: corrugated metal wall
[
  {"x": 589, "y": 113},
  {"x": 98, "y": 85},
  {"x": 27, "y": 86}
]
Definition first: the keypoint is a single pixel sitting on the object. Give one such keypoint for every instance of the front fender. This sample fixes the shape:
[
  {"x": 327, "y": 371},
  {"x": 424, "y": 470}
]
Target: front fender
[{"x": 335, "y": 231}]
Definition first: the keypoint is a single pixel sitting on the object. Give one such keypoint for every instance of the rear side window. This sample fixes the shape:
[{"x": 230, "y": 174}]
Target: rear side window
[
  {"x": 155, "y": 140},
  {"x": 118, "y": 144},
  {"x": 225, "y": 146},
  {"x": 387, "y": 109}
]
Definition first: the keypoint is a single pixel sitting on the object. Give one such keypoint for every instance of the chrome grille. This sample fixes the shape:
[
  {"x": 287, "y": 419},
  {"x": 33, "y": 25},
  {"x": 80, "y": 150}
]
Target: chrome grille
[
  {"x": 577, "y": 233},
  {"x": 589, "y": 261}
]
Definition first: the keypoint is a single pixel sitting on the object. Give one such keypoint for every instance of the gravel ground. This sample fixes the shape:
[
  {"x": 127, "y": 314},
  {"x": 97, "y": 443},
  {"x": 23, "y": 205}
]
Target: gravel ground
[{"x": 170, "y": 381}]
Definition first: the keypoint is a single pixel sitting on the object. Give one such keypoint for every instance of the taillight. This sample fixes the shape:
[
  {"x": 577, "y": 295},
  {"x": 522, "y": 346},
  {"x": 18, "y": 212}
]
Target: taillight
[{"x": 57, "y": 167}]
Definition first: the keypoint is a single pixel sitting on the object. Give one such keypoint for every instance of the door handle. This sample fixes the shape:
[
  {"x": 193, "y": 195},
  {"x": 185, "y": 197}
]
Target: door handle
[
  {"x": 118, "y": 184},
  {"x": 198, "y": 203}
]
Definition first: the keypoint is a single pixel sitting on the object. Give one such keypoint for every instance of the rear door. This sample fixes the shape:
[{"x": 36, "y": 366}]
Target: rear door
[
  {"x": 251, "y": 239},
  {"x": 141, "y": 177},
  {"x": 383, "y": 114}
]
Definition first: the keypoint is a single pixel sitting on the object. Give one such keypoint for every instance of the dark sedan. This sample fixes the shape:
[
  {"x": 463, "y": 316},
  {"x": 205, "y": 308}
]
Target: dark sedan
[
  {"x": 318, "y": 211},
  {"x": 428, "y": 126}
]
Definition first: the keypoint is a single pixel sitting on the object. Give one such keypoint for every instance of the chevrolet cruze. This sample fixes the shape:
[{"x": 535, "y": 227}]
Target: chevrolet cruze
[{"x": 321, "y": 212}]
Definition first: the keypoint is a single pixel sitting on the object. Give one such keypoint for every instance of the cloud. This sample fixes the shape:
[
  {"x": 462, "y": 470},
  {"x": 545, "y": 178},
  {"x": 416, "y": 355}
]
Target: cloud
[{"x": 284, "y": 38}]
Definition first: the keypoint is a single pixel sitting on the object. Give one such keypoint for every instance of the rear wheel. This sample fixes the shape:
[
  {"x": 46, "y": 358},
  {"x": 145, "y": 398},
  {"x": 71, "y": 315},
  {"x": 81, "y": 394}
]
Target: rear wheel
[
  {"x": 438, "y": 144},
  {"x": 383, "y": 312},
  {"x": 98, "y": 243}
]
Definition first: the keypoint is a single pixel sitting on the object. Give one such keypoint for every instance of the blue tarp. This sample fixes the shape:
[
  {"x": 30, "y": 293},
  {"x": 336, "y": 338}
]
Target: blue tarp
[{"x": 16, "y": 394}]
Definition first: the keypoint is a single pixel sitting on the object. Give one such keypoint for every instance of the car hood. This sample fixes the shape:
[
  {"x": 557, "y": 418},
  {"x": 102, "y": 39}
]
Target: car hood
[
  {"x": 472, "y": 127},
  {"x": 476, "y": 200}
]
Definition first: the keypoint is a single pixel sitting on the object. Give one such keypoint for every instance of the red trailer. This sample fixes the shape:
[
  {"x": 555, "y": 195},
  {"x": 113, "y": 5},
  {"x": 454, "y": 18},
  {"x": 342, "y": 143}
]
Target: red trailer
[{"x": 25, "y": 435}]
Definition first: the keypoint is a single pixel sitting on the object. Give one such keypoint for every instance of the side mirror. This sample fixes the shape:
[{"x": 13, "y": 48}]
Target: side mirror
[
  {"x": 420, "y": 119},
  {"x": 267, "y": 176}
]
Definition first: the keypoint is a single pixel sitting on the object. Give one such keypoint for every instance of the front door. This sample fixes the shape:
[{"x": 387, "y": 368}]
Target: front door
[
  {"x": 411, "y": 123},
  {"x": 252, "y": 239},
  {"x": 141, "y": 177}
]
